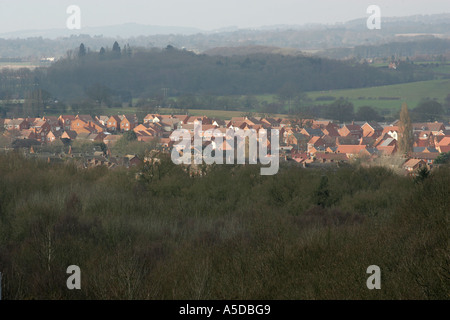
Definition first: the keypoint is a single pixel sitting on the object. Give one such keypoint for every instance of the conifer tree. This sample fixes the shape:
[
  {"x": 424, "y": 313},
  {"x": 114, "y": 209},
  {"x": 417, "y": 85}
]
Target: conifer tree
[{"x": 406, "y": 137}]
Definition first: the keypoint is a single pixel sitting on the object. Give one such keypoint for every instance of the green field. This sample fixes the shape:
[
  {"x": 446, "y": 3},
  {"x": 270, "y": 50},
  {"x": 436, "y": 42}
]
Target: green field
[
  {"x": 387, "y": 98},
  {"x": 384, "y": 97},
  {"x": 377, "y": 97},
  {"x": 411, "y": 93},
  {"x": 221, "y": 114}
]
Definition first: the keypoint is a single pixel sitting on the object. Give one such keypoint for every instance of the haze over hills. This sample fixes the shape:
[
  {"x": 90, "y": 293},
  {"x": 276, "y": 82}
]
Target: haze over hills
[
  {"x": 126, "y": 30},
  {"x": 307, "y": 37}
]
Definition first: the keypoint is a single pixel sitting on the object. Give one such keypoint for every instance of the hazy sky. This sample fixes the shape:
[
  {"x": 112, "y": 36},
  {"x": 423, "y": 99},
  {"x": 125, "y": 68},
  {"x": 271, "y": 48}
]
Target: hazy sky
[{"x": 203, "y": 14}]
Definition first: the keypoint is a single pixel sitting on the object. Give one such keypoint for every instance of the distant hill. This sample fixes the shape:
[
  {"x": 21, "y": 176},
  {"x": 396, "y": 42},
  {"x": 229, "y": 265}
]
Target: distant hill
[
  {"x": 184, "y": 72},
  {"x": 310, "y": 37},
  {"x": 127, "y": 30},
  {"x": 246, "y": 50}
]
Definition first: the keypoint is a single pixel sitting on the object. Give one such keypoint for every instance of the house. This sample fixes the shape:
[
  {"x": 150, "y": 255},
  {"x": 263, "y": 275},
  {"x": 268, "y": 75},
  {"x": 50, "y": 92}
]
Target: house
[
  {"x": 391, "y": 131},
  {"x": 372, "y": 129},
  {"x": 94, "y": 137},
  {"x": 181, "y": 118},
  {"x": 111, "y": 140},
  {"x": 310, "y": 132},
  {"x": 173, "y": 123},
  {"x": 27, "y": 134},
  {"x": 97, "y": 126},
  {"x": 65, "y": 121},
  {"x": 316, "y": 142},
  {"x": 69, "y": 134},
  {"x": 353, "y": 150},
  {"x": 285, "y": 123},
  {"x": 426, "y": 157},
  {"x": 326, "y": 157},
  {"x": 167, "y": 127},
  {"x": 443, "y": 149},
  {"x": 297, "y": 140},
  {"x": 52, "y": 136},
  {"x": 442, "y": 141},
  {"x": 435, "y": 127},
  {"x": 85, "y": 117},
  {"x": 16, "y": 124},
  {"x": 321, "y": 124},
  {"x": 299, "y": 157},
  {"x": 249, "y": 121},
  {"x": 351, "y": 130},
  {"x": 271, "y": 122},
  {"x": 128, "y": 122},
  {"x": 77, "y": 124},
  {"x": 218, "y": 123},
  {"x": 347, "y": 140},
  {"x": 312, "y": 150},
  {"x": 147, "y": 132},
  {"x": 53, "y": 122},
  {"x": 103, "y": 120},
  {"x": 152, "y": 118},
  {"x": 413, "y": 164},
  {"x": 40, "y": 126},
  {"x": 387, "y": 150},
  {"x": 85, "y": 129},
  {"x": 244, "y": 125},
  {"x": 368, "y": 141},
  {"x": 389, "y": 142},
  {"x": 113, "y": 124},
  {"x": 331, "y": 130}
]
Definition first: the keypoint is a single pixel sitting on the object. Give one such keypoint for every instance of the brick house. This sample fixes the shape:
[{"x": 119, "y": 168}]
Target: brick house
[
  {"x": 65, "y": 121},
  {"x": 372, "y": 129},
  {"x": 16, "y": 124},
  {"x": 351, "y": 130},
  {"x": 128, "y": 122},
  {"x": 413, "y": 164},
  {"x": 113, "y": 124}
]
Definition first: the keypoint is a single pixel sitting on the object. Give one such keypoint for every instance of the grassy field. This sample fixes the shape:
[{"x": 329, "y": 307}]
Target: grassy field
[
  {"x": 19, "y": 65},
  {"x": 411, "y": 93},
  {"x": 221, "y": 114},
  {"x": 383, "y": 97},
  {"x": 388, "y": 98}
]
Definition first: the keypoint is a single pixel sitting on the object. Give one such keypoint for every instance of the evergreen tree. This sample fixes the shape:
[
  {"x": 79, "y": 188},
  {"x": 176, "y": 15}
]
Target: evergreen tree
[
  {"x": 81, "y": 51},
  {"x": 406, "y": 136},
  {"x": 116, "y": 50},
  {"x": 128, "y": 51}
]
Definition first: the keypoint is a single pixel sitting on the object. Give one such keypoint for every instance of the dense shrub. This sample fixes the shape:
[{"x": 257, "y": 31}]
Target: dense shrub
[{"x": 232, "y": 234}]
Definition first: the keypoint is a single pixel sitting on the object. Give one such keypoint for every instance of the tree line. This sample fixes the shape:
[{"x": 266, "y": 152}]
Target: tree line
[{"x": 135, "y": 74}]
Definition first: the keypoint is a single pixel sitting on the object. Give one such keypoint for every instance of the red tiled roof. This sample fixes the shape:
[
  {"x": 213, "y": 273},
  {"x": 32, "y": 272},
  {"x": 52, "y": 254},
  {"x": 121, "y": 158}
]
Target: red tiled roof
[
  {"x": 444, "y": 142},
  {"x": 443, "y": 149},
  {"x": 351, "y": 149},
  {"x": 411, "y": 163}
]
